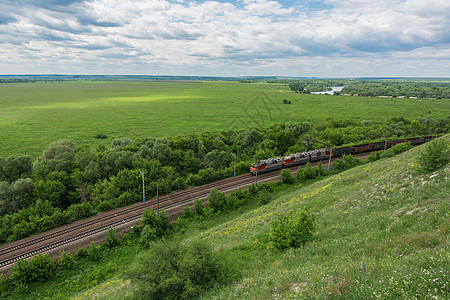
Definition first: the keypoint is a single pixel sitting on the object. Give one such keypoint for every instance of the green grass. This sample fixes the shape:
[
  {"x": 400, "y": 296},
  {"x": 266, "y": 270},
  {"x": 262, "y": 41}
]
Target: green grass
[
  {"x": 32, "y": 115},
  {"x": 382, "y": 232}
]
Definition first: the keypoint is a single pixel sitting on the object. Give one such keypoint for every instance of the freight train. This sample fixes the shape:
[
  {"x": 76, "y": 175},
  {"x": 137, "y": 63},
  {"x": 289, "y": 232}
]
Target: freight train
[{"x": 277, "y": 163}]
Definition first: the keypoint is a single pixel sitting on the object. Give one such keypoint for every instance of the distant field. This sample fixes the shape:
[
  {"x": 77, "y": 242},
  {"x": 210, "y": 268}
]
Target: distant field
[{"x": 34, "y": 114}]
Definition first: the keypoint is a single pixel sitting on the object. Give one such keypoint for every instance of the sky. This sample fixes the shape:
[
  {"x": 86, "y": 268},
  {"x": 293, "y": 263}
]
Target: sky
[{"x": 310, "y": 38}]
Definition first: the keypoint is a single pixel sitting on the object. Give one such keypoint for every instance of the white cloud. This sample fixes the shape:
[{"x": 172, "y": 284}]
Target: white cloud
[{"x": 259, "y": 36}]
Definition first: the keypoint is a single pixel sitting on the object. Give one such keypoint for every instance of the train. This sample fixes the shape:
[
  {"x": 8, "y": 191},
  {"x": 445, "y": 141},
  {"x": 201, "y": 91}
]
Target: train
[{"x": 277, "y": 163}]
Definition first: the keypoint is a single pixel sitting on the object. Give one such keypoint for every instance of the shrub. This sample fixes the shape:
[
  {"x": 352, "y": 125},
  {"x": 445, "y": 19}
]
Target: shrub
[
  {"x": 148, "y": 236},
  {"x": 264, "y": 197},
  {"x": 347, "y": 162},
  {"x": 216, "y": 200},
  {"x": 310, "y": 172},
  {"x": 79, "y": 211},
  {"x": 169, "y": 271},
  {"x": 38, "y": 268},
  {"x": 187, "y": 212},
  {"x": 434, "y": 156},
  {"x": 94, "y": 252},
  {"x": 110, "y": 239},
  {"x": 198, "y": 210},
  {"x": 5, "y": 285},
  {"x": 374, "y": 156},
  {"x": 293, "y": 229},
  {"x": 399, "y": 148},
  {"x": 286, "y": 176},
  {"x": 101, "y": 136},
  {"x": 387, "y": 153},
  {"x": 66, "y": 261},
  {"x": 160, "y": 223}
]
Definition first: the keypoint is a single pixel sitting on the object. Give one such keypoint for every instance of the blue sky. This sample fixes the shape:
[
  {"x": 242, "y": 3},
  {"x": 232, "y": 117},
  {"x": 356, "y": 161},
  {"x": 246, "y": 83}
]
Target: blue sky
[{"x": 331, "y": 38}]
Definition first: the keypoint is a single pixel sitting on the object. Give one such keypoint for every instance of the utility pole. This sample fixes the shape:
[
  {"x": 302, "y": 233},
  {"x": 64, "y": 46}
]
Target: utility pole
[
  {"x": 157, "y": 200},
  {"x": 329, "y": 160},
  {"x": 256, "y": 177},
  {"x": 234, "y": 154},
  {"x": 143, "y": 186}
]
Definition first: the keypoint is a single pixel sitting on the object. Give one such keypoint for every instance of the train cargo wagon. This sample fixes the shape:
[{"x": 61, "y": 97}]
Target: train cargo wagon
[
  {"x": 395, "y": 142},
  {"x": 378, "y": 146},
  {"x": 363, "y": 148},
  {"x": 341, "y": 151},
  {"x": 416, "y": 141}
]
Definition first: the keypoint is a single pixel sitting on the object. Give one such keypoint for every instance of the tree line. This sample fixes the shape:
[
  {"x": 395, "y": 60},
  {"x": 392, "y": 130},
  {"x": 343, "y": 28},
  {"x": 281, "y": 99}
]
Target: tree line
[{"x": 407, "y": 89}]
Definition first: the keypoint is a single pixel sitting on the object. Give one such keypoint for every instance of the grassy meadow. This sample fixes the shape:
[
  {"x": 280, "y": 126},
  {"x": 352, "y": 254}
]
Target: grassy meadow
[{"x": 32, "y": 115}]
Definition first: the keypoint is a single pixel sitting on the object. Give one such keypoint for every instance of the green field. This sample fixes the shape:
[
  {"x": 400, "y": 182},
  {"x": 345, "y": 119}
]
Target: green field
[{"x": 32, "y": 115}]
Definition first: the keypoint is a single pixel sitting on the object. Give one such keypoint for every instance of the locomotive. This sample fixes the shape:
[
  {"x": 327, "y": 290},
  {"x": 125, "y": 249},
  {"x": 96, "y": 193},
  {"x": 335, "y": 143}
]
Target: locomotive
[{"x": 277, "y": 163}]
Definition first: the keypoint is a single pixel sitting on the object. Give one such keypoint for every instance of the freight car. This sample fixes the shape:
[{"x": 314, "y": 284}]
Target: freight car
[{"x": 271, "y": 164}]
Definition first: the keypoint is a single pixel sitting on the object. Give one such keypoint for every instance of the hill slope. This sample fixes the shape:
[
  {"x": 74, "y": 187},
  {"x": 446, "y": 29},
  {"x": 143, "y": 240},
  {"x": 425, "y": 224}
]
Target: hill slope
[{"x": 382, "y": 230}]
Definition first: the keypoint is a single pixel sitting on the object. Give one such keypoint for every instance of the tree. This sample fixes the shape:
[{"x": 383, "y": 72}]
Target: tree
[
  {"x": 84, "y": 156},
  {"x": 218, "y": 159},
  {"x": 121, "y": 142},
  {"x": 14, "y": 167},
  {"x": 161, "y": 150},
  {"x": 15, "y": 195},
  {"x": 59, "y": 156}
]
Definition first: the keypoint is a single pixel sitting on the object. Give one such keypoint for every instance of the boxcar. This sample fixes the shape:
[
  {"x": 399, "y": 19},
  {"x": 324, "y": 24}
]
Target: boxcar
[{"x": 363, "y": 148}]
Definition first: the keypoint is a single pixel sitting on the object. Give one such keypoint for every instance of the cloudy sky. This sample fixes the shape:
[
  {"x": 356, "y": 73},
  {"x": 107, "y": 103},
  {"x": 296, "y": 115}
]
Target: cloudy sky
[{"x": 323, "y": 38}]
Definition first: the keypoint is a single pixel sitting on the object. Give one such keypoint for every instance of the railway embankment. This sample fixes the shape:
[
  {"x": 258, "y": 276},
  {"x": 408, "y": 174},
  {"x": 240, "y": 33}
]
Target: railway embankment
[{"x": 382, "y": 230}]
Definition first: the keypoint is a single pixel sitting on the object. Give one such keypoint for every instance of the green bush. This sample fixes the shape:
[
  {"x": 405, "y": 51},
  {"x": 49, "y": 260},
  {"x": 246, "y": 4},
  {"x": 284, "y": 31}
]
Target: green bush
[
  {"x": 187, "y": 212},
  {"x": 286, "y": 176},
  {"x": 310, "y": 172},
  {"x": 110, "y": 238},
  {"x": 293, "y": 229},
  {"x": 148, "y": 236},
  {"x": 38, "y": 268},
  {"x": 387, "y": 153},
  {"x": 101, "y": 136},
  {"x": 66, "y": 261},
  {"x": 5, "y": 286},
  {"x": 347, "y": 162},
  {"x": 78, "y": 211},
  {"x": 216, "y": 200},
  {"x": 159, "y": 222},
  {"x": 399, "y": 148},
  {"x": 169, "y": 271},
  {"x": 198, "y": 210},
  {"x": 374, "y": 156},
  {"x": 434, "y": 156},
  {"x": 264, "y": 197},
  {"x": 94, "y": 253}
]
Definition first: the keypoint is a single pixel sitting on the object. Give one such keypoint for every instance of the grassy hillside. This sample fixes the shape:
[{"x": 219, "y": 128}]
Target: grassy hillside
[
  {"x": 382, "y": 232},
  {"x": 34, "y": 114}
]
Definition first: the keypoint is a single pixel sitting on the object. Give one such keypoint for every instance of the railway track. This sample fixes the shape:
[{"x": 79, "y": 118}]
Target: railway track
[{"x": 61, "y": 238}]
